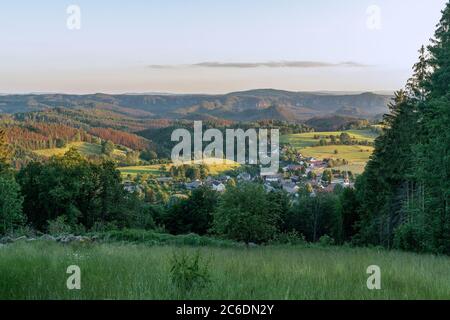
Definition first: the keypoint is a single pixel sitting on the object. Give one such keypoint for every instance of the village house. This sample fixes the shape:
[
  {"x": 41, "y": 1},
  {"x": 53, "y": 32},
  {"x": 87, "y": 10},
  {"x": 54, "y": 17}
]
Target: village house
[
  {"x": 132, "y": 187},
  {"x": 293, "y": 167},
  {"x": 290, "y": 187},
  {"x": 244, "y": 176},
  {"x": 224, "y": 179},
  {"x": 218, "y": 186},
  {"x": 193, "y": 185},
  {"x": 318, "y": 164},
  {"x": 273, "y": 178}
]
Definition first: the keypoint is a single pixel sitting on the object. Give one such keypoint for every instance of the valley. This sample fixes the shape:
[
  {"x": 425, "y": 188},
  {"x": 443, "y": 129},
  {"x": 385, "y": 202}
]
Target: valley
[{"x": 116, "y": 119}]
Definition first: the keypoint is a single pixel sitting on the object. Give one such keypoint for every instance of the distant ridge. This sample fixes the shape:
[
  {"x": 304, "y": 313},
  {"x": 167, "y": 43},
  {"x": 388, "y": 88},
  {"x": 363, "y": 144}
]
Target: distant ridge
[{"x": 259, "y": 104}]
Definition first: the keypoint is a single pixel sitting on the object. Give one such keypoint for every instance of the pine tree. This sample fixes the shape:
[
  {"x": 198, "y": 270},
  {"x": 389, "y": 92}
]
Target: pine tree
[
  {"x": 384, "y": 187},
  {"x": 439, "y": 82},
  {"x": 415, "y": 86},
  {"x": 432, "y": 153}
]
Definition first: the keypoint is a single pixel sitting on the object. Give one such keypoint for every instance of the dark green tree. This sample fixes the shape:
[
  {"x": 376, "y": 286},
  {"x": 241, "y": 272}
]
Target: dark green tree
[
  {"x": 107, "y": 148},
  {"x": 10, "y": 205},
  {"x": 313, "y": 216},
  {"x": 192, "y": 215},
  {"x": 71, "y": 186},
  {"x": 244, "y": 214}
]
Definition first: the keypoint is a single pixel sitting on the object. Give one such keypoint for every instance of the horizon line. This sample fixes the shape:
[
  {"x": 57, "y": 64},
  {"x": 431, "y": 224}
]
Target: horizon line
[{"x": 347, "y": 92}]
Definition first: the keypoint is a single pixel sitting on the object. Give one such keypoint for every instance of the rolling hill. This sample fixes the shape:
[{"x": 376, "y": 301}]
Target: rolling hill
[
  {"x": 38, "y": 122},
  {"x": 238, "y": 106}
]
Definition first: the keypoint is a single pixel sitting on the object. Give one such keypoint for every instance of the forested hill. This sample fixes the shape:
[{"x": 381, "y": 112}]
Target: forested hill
[{"x": 239, "y": 106}]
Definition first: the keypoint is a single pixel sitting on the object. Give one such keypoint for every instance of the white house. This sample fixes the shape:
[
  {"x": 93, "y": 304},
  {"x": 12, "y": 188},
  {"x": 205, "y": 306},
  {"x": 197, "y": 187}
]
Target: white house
[
  {"x": 193, "y": 185},
  {"x": 290, "y": 187},
  {"x": 218, "y": 186},
  {"x": 273, "y": 178}
]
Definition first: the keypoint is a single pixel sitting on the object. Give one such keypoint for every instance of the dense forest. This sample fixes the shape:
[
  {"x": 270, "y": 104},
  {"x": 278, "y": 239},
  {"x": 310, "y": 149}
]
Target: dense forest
[{"x": 403, "y": 196}]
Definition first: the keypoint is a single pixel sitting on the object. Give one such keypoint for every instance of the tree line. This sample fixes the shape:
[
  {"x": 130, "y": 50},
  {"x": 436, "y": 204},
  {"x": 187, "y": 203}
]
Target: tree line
[{"x": 71, "y": 194}]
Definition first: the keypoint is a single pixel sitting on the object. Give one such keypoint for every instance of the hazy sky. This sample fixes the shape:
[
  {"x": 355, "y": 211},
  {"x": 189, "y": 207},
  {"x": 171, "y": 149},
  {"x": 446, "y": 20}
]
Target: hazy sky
[{"x": 210, "y": 46}]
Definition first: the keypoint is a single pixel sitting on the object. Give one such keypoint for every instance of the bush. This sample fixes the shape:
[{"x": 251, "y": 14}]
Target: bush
[
  {"x": 290, "y": 238},
  {"x": 410, "y": 238},
  {"x": 59, "y": 226},
  {"x": 10, "y": 205},
  {"x": 100, "y": 226},
  {"x": 155, "y": 238},
  {"x": 246, "y": 214},
  {"x": 25, "y": 230},
  {"x": 188, "y": 272},
  {"x": 194, "y": 214},
  {"x": 326, "y": 241}
]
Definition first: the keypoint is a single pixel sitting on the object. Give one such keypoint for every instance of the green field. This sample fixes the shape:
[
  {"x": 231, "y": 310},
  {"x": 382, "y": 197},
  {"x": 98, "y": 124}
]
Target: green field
[
  {"x": 351, "y": 153},
  {"x": 85, "y": 148},
  {"x": 355, "y": 154},
  {"x": 111, "y": 271},
  {"x": 215, "y": 167},
  {"x": 134, "y": 170},
  {"x": 303, "y": 140}
]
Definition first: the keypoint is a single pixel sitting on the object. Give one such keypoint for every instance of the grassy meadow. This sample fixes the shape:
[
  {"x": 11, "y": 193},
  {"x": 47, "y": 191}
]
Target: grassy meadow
[
  {"x": 215, "y": 166},
  {"x": 136, "y": 271},
  {"x": 134, "y": 170},
  {"x": 356, "y": 155},
  {"x": 85, "y": 148},
  {"x": 303, "y": 140}
]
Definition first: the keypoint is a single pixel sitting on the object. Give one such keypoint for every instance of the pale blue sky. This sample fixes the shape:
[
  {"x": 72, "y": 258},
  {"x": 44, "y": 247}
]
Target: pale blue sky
[{"x": 154, "y": 46}]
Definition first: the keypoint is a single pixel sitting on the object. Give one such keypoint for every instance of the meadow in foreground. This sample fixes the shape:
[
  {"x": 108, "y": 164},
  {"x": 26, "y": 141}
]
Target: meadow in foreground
[{"x": 126, "y": 271}]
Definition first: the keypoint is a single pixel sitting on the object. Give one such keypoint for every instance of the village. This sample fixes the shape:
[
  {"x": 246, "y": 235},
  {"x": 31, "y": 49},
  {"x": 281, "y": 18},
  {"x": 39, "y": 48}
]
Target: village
[{"x": 296, "y": 173}]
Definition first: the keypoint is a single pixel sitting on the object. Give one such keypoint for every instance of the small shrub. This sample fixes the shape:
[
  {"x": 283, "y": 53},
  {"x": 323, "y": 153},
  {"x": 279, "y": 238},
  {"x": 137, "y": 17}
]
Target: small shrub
[
  {"x": 155, "y": 238},
  {"x": 290, "y": 238},
  {"x": 410, "y": 238},
  {"x": 59, "y": 226},
  {"x": 188, "y": 272},
  {"x": 326, "y": 241},
  {"x": 100, "y": 226},
  {"x": 79, "y": 229},
  {"x": 27, "y": 231}
]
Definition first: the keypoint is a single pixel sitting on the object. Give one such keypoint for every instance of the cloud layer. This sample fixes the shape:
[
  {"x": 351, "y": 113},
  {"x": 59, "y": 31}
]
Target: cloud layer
[{"x": 269, "y": 64}]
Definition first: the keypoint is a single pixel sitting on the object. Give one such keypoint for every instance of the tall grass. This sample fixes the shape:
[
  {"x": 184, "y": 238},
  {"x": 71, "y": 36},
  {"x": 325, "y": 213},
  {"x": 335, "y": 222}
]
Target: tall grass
[{"x": 134, "y": 271}]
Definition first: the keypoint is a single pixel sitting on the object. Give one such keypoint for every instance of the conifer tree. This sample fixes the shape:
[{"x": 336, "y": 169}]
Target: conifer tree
[{"x": 432, "y": 153}]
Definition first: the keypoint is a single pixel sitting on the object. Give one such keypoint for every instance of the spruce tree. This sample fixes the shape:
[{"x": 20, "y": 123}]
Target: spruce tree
[{"x": 432, "y": 154}]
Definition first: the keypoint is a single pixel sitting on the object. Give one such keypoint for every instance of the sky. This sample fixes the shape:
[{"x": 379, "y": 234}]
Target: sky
[{"x": 211, "y": 46}]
